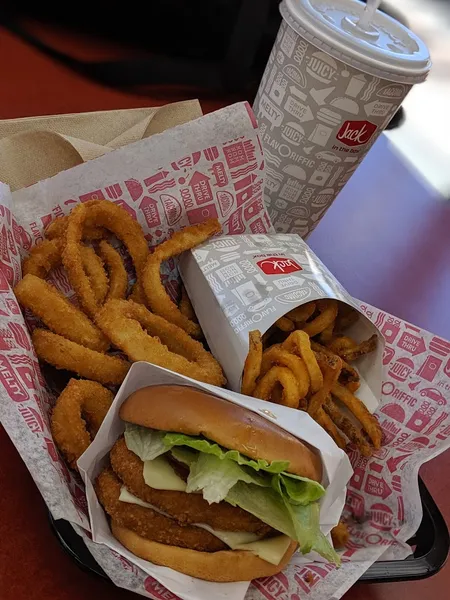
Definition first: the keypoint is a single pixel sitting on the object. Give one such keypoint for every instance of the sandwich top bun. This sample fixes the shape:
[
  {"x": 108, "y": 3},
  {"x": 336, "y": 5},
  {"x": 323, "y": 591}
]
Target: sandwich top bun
[
  {"x": 183, "y": 409},
  {"x": 222, "y": 566}
]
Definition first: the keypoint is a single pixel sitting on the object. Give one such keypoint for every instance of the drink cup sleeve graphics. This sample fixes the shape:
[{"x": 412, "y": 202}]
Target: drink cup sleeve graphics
[
  {"x": 169, "y": 161},
  {"x": 338, "y": 109},
  {"x": 253, "y": 283}
]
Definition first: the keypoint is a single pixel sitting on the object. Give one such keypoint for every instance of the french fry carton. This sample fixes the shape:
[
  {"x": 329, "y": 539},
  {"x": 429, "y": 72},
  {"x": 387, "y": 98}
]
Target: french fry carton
[{"x": 243, "y": 282}]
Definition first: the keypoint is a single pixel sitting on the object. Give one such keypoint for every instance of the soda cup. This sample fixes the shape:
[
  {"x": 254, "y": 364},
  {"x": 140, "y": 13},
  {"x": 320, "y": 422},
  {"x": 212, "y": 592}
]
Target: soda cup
[{"x": 329, "y": 89}]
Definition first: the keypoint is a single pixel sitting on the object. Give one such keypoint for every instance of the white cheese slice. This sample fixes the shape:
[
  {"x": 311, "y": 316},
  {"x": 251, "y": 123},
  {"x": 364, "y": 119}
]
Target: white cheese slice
[
  {"x": 160, "y": 475},
  {"x": 230, "y": 538},
  {"x": 271, "y": 550},
  {"x": 126, "y": 496}
]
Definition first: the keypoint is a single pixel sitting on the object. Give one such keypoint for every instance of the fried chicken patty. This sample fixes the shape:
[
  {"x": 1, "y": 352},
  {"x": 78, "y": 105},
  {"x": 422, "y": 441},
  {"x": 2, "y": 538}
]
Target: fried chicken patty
[
  {"x": 185, "y": 508},
  {"x": 148, "y": 523}
]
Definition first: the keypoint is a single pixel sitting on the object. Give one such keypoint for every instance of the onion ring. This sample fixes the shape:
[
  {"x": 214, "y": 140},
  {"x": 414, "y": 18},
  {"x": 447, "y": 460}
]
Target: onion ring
[
  {"x": 58, "y": 227},
  {"x": 115, "y": 219},
  {"x": 359, "y": 410},
  {"x": 118, "y": 278},
  {"x": 276, "y": 355},
  {"x": 148, "y": 337},
  {"x": 252, "y": 365},
  {"x": 93, "y": 267},
  {"x": 46, "y": 256},
  {"x": 299, "y": 343},
  {"x": 157, "y": 297},
  {"x": 64, "y": 354},
  {"x": 81, "y": 403},
  {"x": 279, "y": 375},
  {"x": 43, "y": 258},
  {"x": 137, "y": 294},
  {"x": 60, "y": 315},
  {"x": 186, "y": 307},
  {"x": 328, "y": 311}
]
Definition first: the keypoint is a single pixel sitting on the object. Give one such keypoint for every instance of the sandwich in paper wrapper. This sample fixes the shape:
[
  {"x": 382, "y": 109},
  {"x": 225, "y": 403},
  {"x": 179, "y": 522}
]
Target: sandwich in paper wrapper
[
  {"x": 213, "y": 166},
  {"x": 336, "y": 473}
]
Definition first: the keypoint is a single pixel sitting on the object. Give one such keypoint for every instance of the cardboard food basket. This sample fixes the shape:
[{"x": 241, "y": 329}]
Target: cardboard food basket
[{"x": 209, "y": 166}]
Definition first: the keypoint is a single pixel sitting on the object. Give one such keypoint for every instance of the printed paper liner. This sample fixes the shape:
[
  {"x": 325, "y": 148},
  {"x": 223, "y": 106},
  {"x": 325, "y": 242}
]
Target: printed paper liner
[{"x": 416, "y": 377}]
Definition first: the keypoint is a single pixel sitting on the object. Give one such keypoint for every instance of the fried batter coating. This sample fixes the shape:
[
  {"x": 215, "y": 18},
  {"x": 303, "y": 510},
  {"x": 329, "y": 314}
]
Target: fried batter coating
[
  {"x": 81, "y": 404},
  {"x": 64, "y": 354},
  {"x": 43, "y": 258},
  {"x": 60, "y": 315},
  {"x": 158, "y": 300},
  {"x": 148, "y": 523},
  {"x": 118, "y": 278},
  {"x": 58, "y": 227},
  {"x": 117, "y": 220},
  {"x": 145, "y": 336},
  {"x": 95, "y": 272},
  {"x": 185, "y": 508},
  {"x": 340, "y": 535}
]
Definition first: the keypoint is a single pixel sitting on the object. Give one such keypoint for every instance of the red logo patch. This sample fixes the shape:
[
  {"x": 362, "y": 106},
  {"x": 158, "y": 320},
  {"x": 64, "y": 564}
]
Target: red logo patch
[
  {"x": 356, "y": 133},
  {"x": 275, "y": 265},
  {"x": 381, "y": 517}
]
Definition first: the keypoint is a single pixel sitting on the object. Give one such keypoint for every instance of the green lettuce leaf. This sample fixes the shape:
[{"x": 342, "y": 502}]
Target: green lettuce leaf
[
  {"x": 184, "y": 455},
  {"x": 305, "y": 519},
  {"x": 263, "y": 503},
  {"x": 286, "y": 502},
  {"x": 202, "y": 445},
  {"x": 214, "y": 477},
  {"x": 323, "y": 547},
  {"x": 146, "y": 443},
  {"x": 300, "y": 523},
  {"x": 300, "y": 490}
]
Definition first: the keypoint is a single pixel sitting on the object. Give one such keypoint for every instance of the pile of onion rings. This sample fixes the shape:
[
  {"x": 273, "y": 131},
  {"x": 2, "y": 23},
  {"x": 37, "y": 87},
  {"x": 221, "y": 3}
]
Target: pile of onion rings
[
  {"x": 84, "y": 339},
  {"x": 302, "y": 361},
  {"x": 110, "y": 326}
]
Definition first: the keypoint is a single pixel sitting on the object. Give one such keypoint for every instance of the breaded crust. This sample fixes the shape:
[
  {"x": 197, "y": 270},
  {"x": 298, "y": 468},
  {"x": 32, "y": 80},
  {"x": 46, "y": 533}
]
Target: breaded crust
[
  {"x": 185, "y": 508},
  {"x": 148, "y": 523}
]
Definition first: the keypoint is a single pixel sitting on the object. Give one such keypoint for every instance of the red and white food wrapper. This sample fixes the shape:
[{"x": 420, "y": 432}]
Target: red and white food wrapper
[
  {"x": 247, "y": 282},
  {"x": 416, "y": 376},
  {"x": 337, "y": 472}
]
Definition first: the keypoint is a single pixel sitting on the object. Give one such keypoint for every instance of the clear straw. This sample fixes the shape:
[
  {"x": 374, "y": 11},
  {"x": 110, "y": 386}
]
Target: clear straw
[{"x": 368, "y": 14}]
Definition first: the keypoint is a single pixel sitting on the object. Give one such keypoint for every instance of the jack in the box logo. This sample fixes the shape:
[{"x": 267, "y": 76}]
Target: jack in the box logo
[
  {"x": 356, "y": 133},
  {"x": 276, "y": 265}
]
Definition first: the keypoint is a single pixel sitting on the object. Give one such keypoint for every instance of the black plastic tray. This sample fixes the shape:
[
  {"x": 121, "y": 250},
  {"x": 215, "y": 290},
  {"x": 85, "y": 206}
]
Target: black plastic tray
[{"x": 431, "y": 546}]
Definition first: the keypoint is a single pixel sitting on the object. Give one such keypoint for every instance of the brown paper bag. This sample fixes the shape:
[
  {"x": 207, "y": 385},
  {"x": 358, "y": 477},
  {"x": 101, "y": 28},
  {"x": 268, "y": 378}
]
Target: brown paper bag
[{"x": 35, "y": 148}]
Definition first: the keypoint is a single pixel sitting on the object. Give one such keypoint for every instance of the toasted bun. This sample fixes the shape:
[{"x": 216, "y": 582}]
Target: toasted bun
[
  {"x": 225, "y": 565},
  {"x": 186, "y": 410}
]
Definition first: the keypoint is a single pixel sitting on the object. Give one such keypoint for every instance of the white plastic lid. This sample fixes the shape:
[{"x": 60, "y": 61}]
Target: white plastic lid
[{"x": 386, "y": 48}]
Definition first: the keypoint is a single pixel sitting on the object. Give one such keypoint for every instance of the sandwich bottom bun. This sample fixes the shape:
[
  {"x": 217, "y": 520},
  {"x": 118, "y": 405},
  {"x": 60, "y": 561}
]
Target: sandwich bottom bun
[{"x": 222, "y": 566}]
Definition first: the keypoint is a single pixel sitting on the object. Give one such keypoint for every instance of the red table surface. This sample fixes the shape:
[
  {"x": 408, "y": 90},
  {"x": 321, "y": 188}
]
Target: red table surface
[{"x": 386, "y": 241}]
